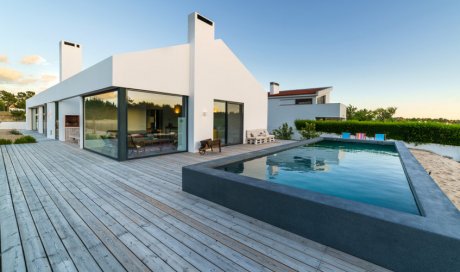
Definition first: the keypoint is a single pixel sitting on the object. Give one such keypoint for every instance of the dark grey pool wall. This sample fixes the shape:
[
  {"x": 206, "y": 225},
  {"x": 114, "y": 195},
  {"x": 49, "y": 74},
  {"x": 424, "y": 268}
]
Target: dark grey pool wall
[{"x": 396, "y": 240}]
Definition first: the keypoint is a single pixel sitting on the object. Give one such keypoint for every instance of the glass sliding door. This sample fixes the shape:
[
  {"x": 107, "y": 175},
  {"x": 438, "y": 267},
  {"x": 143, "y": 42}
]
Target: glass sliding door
[
  {"x": 101, "y": 123},
  {"x": 228, "y": 122},
  {"x": 234, "y": 123},
  {"x": 157, "y": 123}
]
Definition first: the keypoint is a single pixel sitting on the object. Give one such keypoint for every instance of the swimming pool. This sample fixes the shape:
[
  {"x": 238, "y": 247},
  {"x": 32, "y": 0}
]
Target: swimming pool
[{"x": 363, "y": 172}]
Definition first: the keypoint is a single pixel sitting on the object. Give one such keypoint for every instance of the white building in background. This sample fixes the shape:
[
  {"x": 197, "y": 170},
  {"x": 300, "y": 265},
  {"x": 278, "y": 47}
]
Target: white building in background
[
  {"x": 309, "y": 104},
  {"x": 152, "y": 102}
]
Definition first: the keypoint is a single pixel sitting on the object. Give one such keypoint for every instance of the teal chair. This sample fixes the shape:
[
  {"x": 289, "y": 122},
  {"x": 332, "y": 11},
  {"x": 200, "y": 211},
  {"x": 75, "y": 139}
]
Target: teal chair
[
  {"x": 346, "y": 135},
  {"x": 380, "y": 137}
]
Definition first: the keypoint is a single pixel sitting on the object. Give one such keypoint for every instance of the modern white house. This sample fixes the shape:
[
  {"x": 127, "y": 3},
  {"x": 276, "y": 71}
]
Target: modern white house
[
  {"x": 152, "y": 102},
  {"x": 309, "y": 104}
]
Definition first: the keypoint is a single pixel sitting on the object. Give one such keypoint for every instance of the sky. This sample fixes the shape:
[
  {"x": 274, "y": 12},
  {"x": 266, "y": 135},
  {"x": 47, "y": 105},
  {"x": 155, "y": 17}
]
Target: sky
[{"x": 373, "y": 53}]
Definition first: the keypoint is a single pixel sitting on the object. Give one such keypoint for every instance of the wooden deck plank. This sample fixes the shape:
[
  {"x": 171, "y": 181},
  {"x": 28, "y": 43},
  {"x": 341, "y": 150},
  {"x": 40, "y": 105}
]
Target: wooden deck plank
[
  {"x": 55, "y": 250},
  {"x": 99, "y": 252},
  {"x": 137, "y": 215},
  {"x": 10, "y": 240},
  {"x": 154, "y": 243},
  {"x": 74, "y": 246},
  {"x": 34, "y": 253},
  {"x": 220, "y": 261}
]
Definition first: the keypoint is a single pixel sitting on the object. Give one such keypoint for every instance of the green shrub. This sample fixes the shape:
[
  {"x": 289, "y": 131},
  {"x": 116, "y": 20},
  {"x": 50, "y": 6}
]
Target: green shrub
[
  {"x": 25, "y": 140},
  {"x": 5, "y": 141},
  {"x": 413, "y": 132},
  {"x": 309, "y": 131},
  {"x": 284, "y": 132},
  {"x": 15, "y": 132}
]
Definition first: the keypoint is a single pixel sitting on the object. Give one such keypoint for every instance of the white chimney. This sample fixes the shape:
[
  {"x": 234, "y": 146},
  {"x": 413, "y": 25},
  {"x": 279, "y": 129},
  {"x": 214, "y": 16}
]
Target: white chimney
[
  {"x": 70, "y": 59},
  {"x": 274, "y": 88},
  {"x": 200, "y": 29}
]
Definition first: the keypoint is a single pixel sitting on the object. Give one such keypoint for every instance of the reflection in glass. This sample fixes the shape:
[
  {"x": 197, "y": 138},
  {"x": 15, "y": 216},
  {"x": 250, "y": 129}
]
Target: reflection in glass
[
  {"x": 157, "y": 124},
  {"x": 101, "y": 123},
  {"x": 235, "y": 123},
  {"x": 219, "y": 121}
]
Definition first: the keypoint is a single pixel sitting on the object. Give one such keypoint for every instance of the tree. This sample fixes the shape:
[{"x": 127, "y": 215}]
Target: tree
[
  {"x": 364, "y": 115},
  {"x": 382, "y": 114},
  {"x": 21, "y": 98},
  {"x": 7, "y": 98},
  {"x": 351, "y": 111}
]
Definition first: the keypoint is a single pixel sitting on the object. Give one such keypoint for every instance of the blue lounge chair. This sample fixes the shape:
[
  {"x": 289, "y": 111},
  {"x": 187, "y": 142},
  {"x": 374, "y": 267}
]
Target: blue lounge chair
[
  {"x": 346, "y": 135},
  {"x": 380, "y": 137}
]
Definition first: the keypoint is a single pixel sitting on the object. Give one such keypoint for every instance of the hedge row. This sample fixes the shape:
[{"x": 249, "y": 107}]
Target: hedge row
[{"x": 413, "y": 132}]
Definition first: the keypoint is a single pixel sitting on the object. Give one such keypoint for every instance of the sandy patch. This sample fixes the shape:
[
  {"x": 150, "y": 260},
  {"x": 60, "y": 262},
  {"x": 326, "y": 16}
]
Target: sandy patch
[
  {"x": 5, "y": 134},
  {"x": 446, "y": 173}
]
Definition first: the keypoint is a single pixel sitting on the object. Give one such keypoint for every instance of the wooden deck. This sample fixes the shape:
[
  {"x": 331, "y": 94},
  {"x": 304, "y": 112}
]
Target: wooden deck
[{"x": 66, "y": 209}]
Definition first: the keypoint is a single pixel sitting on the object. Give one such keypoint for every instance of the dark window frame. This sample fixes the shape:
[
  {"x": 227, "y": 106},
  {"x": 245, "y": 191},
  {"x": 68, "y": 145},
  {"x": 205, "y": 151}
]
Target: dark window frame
[
  {"x": 304, "y": 101},
  {"x": 226, "y": 120}
]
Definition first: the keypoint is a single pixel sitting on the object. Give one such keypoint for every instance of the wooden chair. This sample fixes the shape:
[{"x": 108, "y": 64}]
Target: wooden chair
[{"x": 208, "y": 144}]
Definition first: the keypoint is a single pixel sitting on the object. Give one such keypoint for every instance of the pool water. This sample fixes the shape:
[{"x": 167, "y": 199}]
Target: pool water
[{"x": 368, "y": 173}]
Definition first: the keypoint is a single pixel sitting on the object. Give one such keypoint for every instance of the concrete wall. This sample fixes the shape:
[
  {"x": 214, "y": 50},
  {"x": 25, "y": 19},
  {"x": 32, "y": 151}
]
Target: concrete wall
[{"x": 280, "y": 112}]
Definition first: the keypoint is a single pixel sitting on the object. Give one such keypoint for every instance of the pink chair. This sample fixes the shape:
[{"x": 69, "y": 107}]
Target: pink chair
[{"x": 360, "y": 136}]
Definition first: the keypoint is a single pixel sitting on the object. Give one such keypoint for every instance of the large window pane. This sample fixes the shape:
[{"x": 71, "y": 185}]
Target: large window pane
[
  {"x": 101, "y": 123},
  {"x": 157, "y": 124},
  {"x": 235, "y": 123},
  {"x": 219, "y": 121}
]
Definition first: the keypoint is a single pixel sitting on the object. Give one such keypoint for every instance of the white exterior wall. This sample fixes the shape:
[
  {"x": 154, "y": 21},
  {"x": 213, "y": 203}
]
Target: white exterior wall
[
  {"x": 71, "y": 60},
  {"x": 279, "y": 114},
  {"x": 163, "y": 70},
  {"x": 50, "y": 115},
  {"x": 40, "y": 120},
  {"x": 216, "y": 73},
  {"x": 67, "y": 107}
]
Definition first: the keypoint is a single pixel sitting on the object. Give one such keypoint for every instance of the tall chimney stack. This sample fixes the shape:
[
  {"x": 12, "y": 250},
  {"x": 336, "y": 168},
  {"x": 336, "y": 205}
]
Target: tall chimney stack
[
  {"x": 274, "y": 88},
  {"x": 70, "y": 59}
]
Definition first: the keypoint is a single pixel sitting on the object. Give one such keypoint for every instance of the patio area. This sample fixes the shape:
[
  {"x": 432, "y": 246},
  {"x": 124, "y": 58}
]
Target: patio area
[{"x": 66, "y": 209}]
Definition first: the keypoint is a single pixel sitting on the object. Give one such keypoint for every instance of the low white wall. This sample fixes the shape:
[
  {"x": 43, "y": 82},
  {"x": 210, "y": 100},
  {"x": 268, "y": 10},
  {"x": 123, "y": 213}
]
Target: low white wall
[
  {"x": 12, "y": 125},
  {"x": 443, "y": 150}
]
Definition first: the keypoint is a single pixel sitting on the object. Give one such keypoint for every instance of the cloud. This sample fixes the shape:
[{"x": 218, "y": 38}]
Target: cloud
[
  {"x": 48, "y": 78},
  {"x": 27, "y": 81},
  {"x": 4, "y": 58},
  {"x": 33, "y": 59},
  {"x": 9, "y": 75}
]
